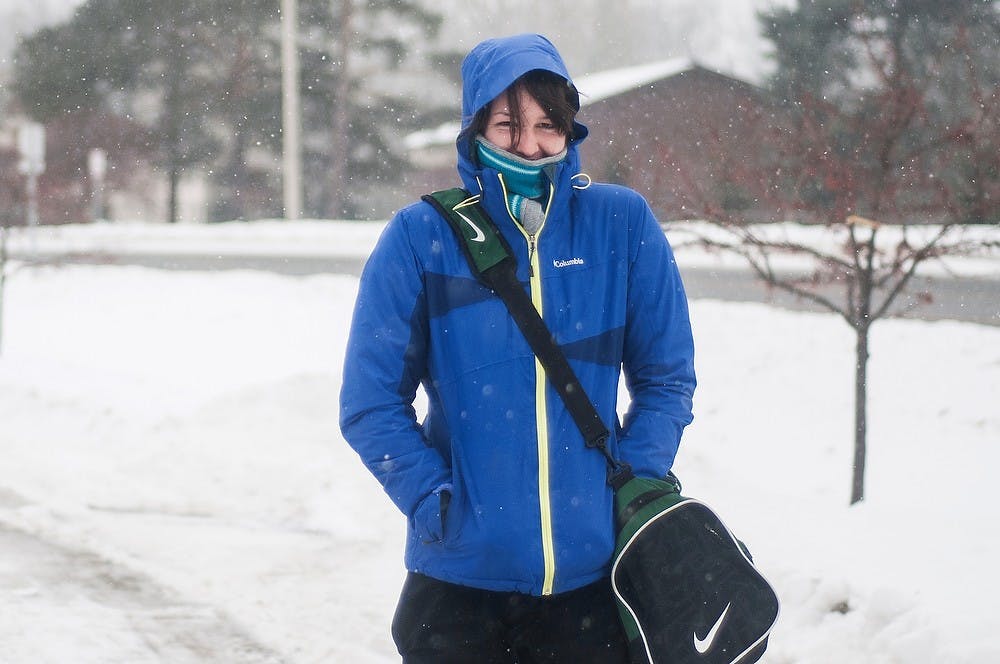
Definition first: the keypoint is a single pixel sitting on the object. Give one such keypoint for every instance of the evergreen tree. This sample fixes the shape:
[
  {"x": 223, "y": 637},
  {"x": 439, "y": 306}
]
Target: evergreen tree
[
  {"x": 146, "y": 62},
  {"x": 203, "y": 77},
  {"x": 890, "y": 81},
  {"x": 353, "y": 115}
]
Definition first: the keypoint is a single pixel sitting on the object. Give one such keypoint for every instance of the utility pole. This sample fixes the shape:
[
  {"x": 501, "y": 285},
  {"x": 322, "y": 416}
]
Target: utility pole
[
  {"x": 3, "y": 277},
  {"x": 290, "y": 113},
  {"x": 340, "y": 120}
]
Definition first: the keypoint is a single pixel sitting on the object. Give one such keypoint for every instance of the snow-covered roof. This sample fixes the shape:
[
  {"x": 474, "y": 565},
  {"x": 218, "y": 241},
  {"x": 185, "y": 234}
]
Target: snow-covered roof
[
  {"x": 609, "y": 83},
  {"x": 593, "y": 88},
  {"x": 425, "y": 138}
]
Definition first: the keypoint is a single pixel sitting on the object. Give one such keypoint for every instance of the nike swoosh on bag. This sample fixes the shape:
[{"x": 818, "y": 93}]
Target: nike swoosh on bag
[{"x": 702, "y": 645}]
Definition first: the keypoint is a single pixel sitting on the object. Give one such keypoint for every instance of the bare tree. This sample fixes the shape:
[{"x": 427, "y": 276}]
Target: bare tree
[{"x": 893, "y": 156}]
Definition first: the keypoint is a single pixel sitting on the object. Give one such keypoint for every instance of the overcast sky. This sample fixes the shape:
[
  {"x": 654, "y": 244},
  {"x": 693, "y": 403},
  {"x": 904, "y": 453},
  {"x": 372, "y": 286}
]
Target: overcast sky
[
  {"x": 601, "y": 34},
  {"x": 591, "y": 34},
  {"x": 23, "y": 16}
]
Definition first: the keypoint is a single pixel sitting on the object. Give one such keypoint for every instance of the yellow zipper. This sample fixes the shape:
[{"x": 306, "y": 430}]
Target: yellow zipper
[
  {"x": 541, "y": 405},
  {"x": 542, "y": 428}
]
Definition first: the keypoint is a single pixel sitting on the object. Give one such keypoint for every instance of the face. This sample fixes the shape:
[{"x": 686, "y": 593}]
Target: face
[{"x": 538, "y": 136}]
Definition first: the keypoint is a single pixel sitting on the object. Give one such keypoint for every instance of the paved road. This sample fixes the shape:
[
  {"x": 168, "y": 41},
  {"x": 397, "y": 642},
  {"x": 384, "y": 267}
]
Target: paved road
[
  {"x": 75, "y": 598},
  {"x": 970, "y": 299}
]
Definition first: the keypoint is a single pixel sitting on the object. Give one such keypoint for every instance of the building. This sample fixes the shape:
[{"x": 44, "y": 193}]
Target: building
[{"x": 686, "y": 137}]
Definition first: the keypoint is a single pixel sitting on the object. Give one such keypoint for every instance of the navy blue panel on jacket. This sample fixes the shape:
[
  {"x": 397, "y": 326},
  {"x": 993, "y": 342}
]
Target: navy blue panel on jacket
[{"x": 530, "y": 509}]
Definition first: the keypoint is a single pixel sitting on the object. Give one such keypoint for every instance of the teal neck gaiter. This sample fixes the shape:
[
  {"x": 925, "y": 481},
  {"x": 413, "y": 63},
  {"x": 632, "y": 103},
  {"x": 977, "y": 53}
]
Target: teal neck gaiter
[
  {"x": 526, "y": 181},
  {"x": 525, "y": 177}
]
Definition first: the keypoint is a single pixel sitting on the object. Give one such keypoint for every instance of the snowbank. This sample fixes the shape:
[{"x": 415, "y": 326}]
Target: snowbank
[{"x": 172, "y": 468}]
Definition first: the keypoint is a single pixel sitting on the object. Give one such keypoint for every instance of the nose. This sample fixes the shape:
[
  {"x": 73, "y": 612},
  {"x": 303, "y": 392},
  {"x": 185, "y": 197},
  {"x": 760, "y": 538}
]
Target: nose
[{"x": 528, "y": 144}]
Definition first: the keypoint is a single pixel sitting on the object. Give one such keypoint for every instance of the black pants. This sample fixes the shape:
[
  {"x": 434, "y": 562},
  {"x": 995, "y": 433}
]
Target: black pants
[{"x": 443, "y": 623}]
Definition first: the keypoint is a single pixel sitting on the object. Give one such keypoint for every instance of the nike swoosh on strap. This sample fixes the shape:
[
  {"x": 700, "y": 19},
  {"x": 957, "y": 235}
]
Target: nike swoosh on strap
[
  {"x": 479, "y": 237},
  {"x": 702, "y": 645}
]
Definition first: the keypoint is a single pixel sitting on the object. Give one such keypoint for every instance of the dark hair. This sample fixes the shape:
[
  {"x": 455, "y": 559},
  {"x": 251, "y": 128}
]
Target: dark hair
[{"x": 553, "y": 93}]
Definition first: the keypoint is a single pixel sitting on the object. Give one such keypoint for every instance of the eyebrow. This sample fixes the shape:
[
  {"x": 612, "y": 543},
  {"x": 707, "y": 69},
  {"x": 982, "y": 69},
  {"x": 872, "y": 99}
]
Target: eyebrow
[{"x": 506, "y": 113}]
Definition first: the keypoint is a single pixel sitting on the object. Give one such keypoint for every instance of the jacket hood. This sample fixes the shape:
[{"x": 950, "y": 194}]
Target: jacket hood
[{"x": 490, "y": 68}]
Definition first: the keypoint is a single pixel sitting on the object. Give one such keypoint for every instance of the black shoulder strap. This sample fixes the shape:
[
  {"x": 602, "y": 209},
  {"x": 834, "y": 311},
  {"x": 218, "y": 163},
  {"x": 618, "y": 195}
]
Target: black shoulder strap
[{"x": 491, "y": 260}]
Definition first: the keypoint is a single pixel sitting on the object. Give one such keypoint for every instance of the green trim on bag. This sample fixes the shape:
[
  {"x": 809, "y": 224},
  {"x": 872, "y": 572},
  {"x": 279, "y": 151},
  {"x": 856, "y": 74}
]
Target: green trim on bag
[
  {"x": 667, "y": 494},
  {"x": 633, "y": 491},
  {"x": 662, "y": 494}
]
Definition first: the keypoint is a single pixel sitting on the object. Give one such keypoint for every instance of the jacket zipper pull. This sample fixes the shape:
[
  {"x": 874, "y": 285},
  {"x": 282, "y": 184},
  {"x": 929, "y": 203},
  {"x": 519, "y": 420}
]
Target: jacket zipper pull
[{"x": 531, "y": 255}]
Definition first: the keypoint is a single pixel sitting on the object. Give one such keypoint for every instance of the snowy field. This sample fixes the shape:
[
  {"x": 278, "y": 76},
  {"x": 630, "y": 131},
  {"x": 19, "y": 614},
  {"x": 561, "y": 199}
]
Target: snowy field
[{"x": 174, "y": 486}]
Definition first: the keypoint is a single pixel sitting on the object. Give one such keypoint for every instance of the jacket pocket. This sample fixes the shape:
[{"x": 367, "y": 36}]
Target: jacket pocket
[{"x": 429, "y": 518}]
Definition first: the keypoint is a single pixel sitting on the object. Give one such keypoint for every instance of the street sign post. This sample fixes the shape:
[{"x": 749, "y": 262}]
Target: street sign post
[
  {"x": 31, "y": 145},
  {"x": 97, "y": 167}
]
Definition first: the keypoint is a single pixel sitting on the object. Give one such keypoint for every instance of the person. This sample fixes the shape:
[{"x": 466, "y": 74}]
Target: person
[{"x": 509, "y": 516}]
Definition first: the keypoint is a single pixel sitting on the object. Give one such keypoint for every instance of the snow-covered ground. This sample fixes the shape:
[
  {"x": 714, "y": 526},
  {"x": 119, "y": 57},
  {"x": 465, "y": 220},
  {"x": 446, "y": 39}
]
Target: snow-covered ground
[{"x": 174, "y": 487}]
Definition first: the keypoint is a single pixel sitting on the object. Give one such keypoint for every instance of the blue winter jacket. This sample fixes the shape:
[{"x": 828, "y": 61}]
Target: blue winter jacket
[{"x": 530, "y": 510}]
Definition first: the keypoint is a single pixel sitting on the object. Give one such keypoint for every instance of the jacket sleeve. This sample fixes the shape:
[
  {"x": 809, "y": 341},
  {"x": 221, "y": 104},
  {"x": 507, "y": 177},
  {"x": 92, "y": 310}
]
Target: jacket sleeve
[
  {"x": 384, "y": 363},
  {"x": 658, "y": 359}
]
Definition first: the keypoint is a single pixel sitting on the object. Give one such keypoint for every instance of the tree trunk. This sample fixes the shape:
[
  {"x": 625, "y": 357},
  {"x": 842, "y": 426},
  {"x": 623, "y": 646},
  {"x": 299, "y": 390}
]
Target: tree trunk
[
  {"x": 175, "y": 177},
  {"x": 860, "y": 414},
  {"x": 234, "y": 203}
]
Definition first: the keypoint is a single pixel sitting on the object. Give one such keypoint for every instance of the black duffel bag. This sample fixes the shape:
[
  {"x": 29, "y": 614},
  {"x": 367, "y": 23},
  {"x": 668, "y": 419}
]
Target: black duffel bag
[{"x": 687, "y": 589}]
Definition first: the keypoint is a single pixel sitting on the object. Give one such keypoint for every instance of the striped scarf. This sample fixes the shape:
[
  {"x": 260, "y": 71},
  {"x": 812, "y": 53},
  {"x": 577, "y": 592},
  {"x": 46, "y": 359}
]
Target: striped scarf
[
  {"x": 525, "y": 179},
  {"x": 522, "y": 176}
]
